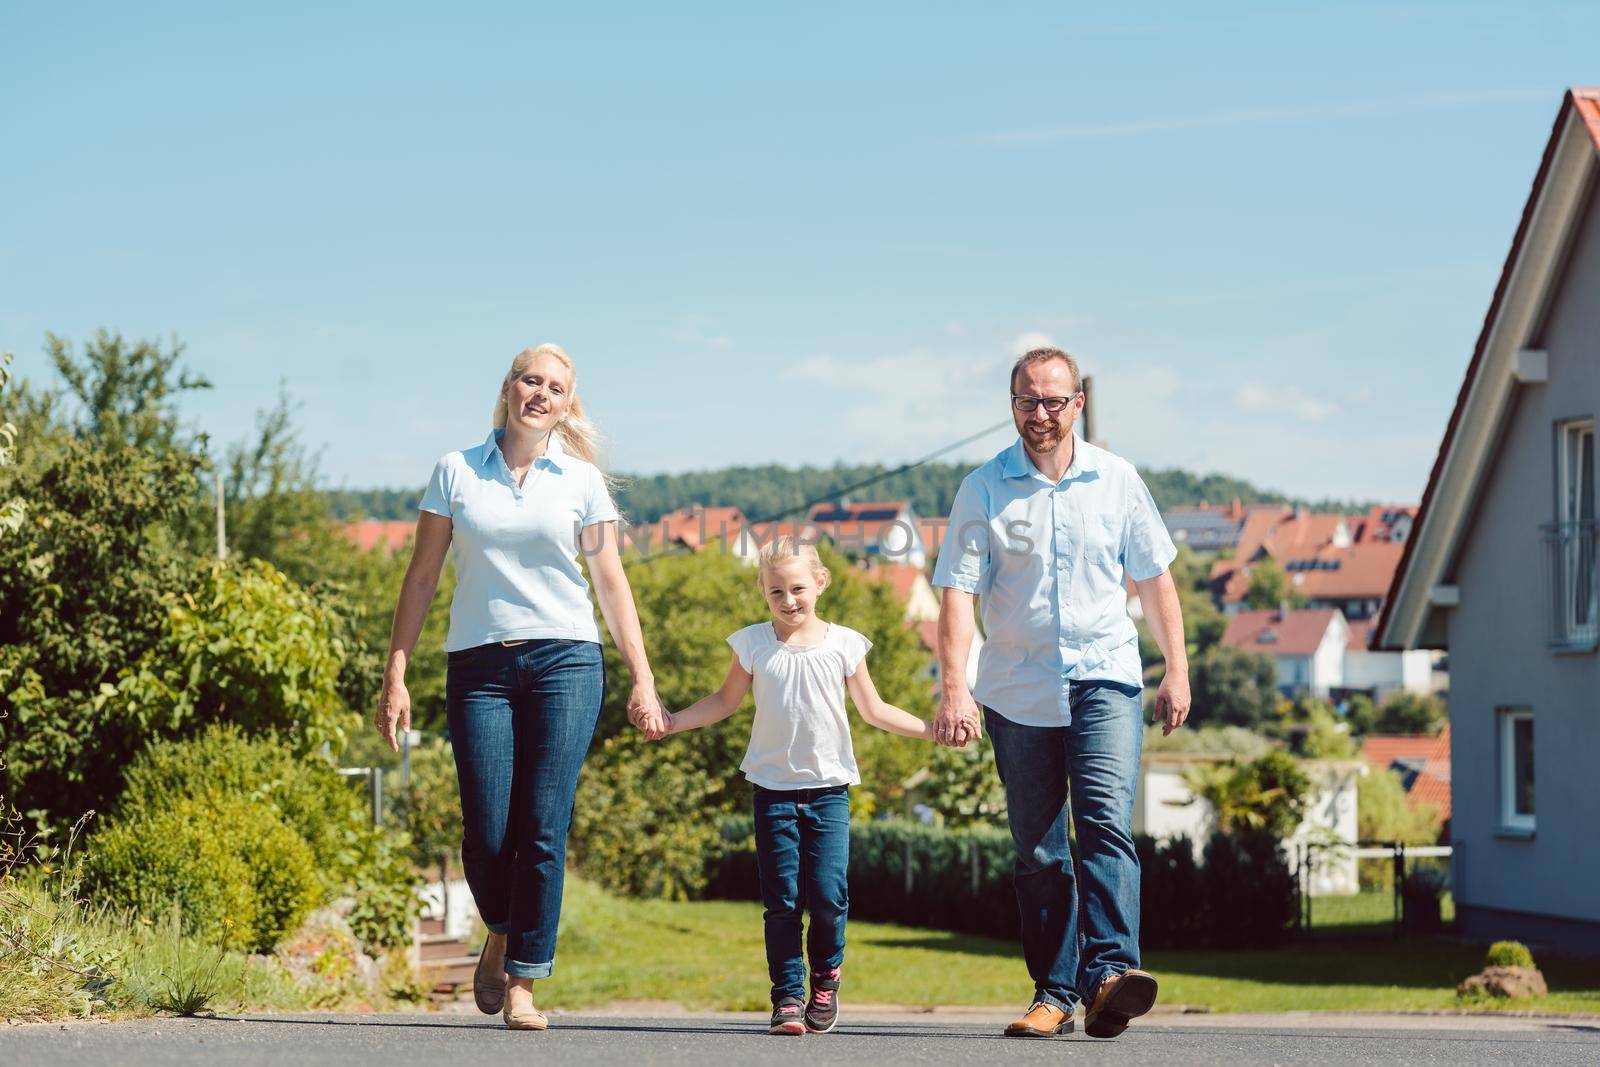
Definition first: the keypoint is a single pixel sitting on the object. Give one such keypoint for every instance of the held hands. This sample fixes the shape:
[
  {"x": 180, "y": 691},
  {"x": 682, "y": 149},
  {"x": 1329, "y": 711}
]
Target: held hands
[
  {"x": 646, "y": 713},
  {"x": 958, "y": 721},
  {"x": 1172, "y": 701},
  {"x": 394, "y": 711}
]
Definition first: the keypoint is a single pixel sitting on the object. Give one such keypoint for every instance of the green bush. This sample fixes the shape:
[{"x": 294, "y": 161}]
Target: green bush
[
  {"x": 1242, "y": 894},
  {"x": 232, "y": 871},
  {"x": 1508, "y": 954},
  {"x": 309, "y": 795},
  {"x": 641, "y": 825}
]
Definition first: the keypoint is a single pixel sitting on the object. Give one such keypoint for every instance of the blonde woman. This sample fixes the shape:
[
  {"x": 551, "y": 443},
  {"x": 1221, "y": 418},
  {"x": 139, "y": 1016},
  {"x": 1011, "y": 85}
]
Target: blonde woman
[{"x": 525, "y": 678}]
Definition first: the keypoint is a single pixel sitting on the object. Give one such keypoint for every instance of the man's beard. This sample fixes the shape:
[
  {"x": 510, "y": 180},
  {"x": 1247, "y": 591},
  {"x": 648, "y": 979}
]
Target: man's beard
[{"x": 1046, "y": 442}]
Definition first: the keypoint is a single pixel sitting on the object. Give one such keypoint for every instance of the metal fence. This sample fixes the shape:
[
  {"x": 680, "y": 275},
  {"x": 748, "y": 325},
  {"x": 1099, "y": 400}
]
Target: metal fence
[
  {"x": 1405, "y": 888},
  {"x": 1570, "y": 584}
]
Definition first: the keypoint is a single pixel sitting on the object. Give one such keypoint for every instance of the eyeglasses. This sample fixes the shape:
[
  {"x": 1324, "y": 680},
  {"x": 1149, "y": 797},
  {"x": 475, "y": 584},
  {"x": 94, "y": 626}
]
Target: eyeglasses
[{"x": 1029, "y": 404}]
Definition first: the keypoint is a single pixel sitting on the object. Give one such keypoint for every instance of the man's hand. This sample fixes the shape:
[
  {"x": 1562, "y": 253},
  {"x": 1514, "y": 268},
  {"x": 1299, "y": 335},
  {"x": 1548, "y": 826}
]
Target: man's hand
[
  {"x": 1172, "y": 701},
  {"x": 646, "y": 713},
  {"x": 958, "y": 721}
]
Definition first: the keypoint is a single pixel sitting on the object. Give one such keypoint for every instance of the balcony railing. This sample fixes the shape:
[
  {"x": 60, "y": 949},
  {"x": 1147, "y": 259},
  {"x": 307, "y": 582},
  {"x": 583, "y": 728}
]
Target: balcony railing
[{"x": 1570, "y": 584}]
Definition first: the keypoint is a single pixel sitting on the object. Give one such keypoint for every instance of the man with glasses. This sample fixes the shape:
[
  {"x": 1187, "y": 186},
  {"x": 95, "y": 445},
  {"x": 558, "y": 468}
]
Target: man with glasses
[{"x": 1043, "y": 533}]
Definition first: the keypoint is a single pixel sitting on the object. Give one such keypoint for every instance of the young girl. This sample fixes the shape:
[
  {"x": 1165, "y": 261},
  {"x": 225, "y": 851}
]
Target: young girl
[{"x": 801, "y": 766}]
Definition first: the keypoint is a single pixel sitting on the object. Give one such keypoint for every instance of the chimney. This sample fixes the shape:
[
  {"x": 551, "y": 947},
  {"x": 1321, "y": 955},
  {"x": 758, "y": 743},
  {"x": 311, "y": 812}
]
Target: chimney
[{"x": 1283, "y": 610}]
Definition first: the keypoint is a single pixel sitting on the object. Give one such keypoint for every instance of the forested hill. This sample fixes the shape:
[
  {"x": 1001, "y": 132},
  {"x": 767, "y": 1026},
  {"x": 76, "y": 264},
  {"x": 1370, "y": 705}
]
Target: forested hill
[{"x": 765, "y": 492}]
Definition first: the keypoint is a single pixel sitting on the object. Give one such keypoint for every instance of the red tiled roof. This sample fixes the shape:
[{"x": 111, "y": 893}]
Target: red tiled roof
[
  {"x": 1381, "y": 750},
  {"x": 389, "y": 535},
  {"x": 1360, "y": 635},
  {"x": 883, "y": 523},
  {"x": 933, "y": 528},
  {"x": 929, "y": 632},
  {"x": 1372, "y": 526},
  {"x": 1359, "y": 572},
  {"x": 1274, "y": 633},
  {"x": 1432, "y": 785},
  {"x": 901, "y": 577},
  {"x": 696, "y": 527}
]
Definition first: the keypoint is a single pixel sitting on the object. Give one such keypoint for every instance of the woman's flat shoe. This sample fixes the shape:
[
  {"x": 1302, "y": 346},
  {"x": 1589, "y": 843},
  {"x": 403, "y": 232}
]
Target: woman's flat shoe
[
  {"x": 489, "y": 980},
  {"x": 525, "y": 1018}
]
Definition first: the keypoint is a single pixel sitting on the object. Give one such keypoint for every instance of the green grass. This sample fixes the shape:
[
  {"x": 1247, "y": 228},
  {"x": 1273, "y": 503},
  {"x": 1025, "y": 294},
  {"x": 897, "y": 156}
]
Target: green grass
[{"x": 709, "y": 955}]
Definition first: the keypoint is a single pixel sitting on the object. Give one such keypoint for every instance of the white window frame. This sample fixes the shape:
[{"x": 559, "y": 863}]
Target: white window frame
[
  {"x": 1569, "y": 443},
  {"x": 1575, "y": 504},
  {"x": 1510, "y": 818}
]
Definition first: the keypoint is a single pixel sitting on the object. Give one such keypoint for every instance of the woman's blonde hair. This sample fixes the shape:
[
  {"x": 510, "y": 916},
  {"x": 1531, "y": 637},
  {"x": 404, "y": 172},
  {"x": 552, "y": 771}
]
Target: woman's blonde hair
[
  {"x": 579, "y": 437},
  {"x": 785, "y": 548}
]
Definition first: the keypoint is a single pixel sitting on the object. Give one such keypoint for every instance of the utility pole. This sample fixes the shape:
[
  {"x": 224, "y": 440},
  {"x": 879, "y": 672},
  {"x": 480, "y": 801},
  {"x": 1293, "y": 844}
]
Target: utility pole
[
  {"x": 222, "y": 530},
  {"x": 1088, "y": 409}
]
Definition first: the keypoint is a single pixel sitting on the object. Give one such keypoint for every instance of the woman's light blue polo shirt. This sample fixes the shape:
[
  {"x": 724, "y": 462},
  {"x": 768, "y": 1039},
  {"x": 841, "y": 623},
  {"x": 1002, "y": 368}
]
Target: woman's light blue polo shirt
[{"x": 516, "y": 548}]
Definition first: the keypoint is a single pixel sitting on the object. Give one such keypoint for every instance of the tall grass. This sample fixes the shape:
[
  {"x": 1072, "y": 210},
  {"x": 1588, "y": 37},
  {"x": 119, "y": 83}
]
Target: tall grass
[{"x": 62, "y": 955}]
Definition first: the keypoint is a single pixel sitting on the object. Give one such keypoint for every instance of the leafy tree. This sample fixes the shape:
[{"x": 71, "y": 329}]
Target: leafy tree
[
  {"x": 13, "y": 509},
  {"x": 82, "y": 595},
  {"x": 1233, "y": 687},
  {"x": 127, "y": 391},
  {"x": 1271, "y": 588},
  {"x": 1269, "y": 794},
  {"x": 1314, "y": 730},
  {"x": 1411, "y": 713},
  {"x": 1361, "y": 713}
]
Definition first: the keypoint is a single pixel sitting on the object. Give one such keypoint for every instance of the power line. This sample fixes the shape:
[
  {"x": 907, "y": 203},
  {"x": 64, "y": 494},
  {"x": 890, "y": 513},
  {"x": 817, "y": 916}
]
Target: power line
[{"x": 808, "y": 505}]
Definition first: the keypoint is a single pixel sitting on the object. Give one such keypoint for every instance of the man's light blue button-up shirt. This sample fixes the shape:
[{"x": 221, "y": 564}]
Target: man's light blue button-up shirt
[
  {"x": 516, "y": 546},
  {"x": 1047, "y": 562}
]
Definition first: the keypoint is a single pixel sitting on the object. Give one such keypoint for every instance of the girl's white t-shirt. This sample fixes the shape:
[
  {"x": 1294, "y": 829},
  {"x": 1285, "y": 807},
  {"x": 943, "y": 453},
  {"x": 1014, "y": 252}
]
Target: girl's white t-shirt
[{"x": 801, "y": 735}]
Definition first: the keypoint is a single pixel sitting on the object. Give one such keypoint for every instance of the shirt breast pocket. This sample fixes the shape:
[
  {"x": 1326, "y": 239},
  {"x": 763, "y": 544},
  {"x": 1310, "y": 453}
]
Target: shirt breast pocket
[{"x": 1102, "y": 538}]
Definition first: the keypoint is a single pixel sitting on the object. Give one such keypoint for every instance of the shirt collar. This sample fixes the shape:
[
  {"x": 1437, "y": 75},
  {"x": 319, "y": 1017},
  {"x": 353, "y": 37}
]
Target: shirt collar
[
  {"x": 1018, "y": 465},
  {"x": 554, "y": 455}
]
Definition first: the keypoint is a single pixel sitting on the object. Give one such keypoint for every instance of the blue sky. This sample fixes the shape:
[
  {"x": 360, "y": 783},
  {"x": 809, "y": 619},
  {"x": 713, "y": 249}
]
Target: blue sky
[{"x": 1270, "y": 232}]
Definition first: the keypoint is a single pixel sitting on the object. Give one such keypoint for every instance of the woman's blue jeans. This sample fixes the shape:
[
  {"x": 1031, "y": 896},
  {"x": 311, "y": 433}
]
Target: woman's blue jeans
[
  {"x": 1077, "y": 925},
  {"x": 803, "y": 856},
  {"x": 521, "y": 719}
]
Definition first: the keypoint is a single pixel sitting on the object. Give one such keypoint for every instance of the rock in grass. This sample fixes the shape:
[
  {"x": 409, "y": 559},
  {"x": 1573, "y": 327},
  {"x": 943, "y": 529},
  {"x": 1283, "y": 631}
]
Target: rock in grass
[{"x": 1509, "y": 983}]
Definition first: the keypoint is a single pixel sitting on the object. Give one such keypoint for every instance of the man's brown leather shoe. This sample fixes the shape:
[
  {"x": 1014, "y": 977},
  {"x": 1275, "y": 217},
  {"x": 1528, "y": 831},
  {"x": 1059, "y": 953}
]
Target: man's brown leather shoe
[
  {"x": 1120, "y": 998},
  {"x": 1042, "y": 1020}
]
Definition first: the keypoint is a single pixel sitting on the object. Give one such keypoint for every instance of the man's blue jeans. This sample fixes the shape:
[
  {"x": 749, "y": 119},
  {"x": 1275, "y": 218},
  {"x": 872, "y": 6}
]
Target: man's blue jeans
[
  {"x": 521, "y": 719},
  {"x": 1077, "y": 926},
  {"x": 803, "y": 856}
]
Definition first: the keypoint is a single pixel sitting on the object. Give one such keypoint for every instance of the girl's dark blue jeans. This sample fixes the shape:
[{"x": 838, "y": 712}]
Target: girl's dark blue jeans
[
  {"x": 803, "y": 855},
  {"x": 521, "y": 719}
]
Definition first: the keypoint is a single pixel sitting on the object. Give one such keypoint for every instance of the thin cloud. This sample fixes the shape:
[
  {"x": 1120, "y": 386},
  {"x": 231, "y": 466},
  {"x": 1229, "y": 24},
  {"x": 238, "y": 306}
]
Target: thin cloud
[{"x": 1261, "y": 115}]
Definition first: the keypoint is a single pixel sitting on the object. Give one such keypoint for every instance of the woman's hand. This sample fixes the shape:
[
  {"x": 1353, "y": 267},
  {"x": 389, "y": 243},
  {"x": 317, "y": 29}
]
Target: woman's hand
[
  {"x": 394, "y": 710},
  {"x": 645, "y": 711}
]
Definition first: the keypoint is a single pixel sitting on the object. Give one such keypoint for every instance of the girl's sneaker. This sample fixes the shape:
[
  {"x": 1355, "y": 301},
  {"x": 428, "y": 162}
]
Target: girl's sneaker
[
  {"x": 786, "y": 1018},
  {"x": 822, "y": 1011}
]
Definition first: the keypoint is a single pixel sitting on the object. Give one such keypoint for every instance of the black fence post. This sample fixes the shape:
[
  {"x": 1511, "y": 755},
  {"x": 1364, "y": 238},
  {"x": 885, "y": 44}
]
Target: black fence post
[{"x": 1399, "y": 888}]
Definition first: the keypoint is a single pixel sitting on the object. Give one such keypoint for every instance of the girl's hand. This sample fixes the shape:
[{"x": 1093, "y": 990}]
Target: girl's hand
[
  {"x": 394, "y": 710},
  {"x": 646, "y": 713}
]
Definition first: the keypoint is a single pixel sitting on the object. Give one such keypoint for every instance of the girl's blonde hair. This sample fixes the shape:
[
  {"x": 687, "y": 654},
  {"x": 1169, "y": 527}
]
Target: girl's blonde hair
[
  {"x": 785, "y": 548},
  {"x": 579, "y": 437}
]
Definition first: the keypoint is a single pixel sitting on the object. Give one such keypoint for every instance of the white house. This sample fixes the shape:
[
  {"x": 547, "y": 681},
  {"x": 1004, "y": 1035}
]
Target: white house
[
  {"x": 1164, "y": 807},
  {"x": 1500, "y": 568},
  {"x": 1308, "y": 646}
]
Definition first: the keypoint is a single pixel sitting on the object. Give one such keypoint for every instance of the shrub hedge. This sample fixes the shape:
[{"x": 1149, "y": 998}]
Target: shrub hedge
[
  {"x": 310, "y": 798},
  {"x": 1241, "y": 893},
  {"x": 231, "y": 872}
]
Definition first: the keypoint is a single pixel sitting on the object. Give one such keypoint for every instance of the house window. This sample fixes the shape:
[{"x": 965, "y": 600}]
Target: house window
[
  {"x": 1571, "y": 539},
  {"x": 1516, "y": 769}
]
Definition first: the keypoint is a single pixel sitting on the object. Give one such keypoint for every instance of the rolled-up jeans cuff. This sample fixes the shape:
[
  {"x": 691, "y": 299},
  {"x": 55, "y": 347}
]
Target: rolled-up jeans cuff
[
  {"x": 1042, "y": 996},
  {"x": 518, "y": 969},
  {"x": 497, "y": 928}
]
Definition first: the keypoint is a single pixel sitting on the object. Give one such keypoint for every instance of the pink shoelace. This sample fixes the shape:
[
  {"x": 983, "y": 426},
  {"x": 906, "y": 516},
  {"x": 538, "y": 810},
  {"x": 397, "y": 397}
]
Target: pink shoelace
[{"x": 823, "y": 997}]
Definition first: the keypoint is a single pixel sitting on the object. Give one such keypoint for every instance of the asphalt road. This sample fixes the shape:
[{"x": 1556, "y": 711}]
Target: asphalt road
[{"x": 434, "y": 1039}]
